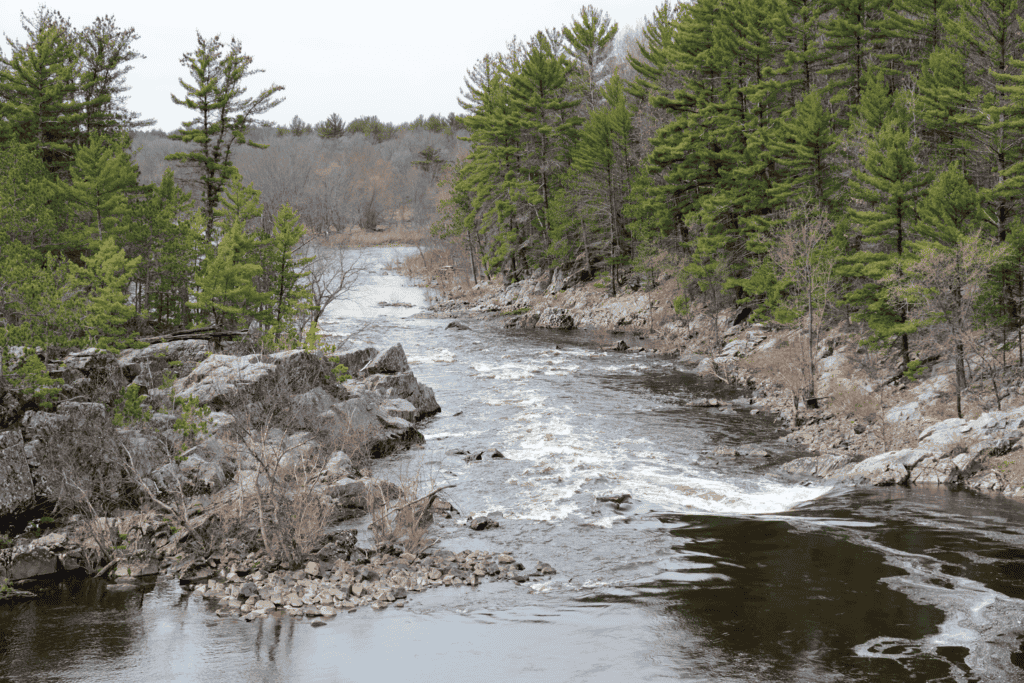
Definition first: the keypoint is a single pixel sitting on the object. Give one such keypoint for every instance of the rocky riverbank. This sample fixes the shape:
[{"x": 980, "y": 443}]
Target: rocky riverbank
[
  {"x": 868, "y": 425},
  {"x": 229, "y": 472}
]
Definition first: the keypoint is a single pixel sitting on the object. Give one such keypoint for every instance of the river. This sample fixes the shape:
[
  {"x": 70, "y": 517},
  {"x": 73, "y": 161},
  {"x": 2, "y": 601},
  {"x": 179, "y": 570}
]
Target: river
[{"x": 711, "y": 572}]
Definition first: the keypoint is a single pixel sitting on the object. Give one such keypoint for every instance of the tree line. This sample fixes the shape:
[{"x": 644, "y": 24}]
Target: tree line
[
  {"x": 883, "y": 141},
  {"x": 101, "y": 242}
]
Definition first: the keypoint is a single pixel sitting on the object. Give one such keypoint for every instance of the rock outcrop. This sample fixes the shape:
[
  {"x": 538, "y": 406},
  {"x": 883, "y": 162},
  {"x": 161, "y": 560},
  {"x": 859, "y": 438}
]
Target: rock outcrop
[{"x": 952, "y": 452}]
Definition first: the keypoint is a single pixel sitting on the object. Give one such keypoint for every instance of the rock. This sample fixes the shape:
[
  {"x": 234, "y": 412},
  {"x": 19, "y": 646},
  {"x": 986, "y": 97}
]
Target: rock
[
  {"x": 691, "y": 360},
  {"x": 78, "y": 441},
  {"x": 456, "y": 325},
  {"x": 303, "y": 410},
  {"x": 317, "y": 623},
  {"x": 482, "y": 523},
  {"x": 404, "y": 385},
  {"x": 312, "y": 569},
  {"x": 338, "y": 465},
  {"x": 390, "y": 361},
  {"x": 489, "y": 454},
  {"x": 399, "y": 407},
  {"x": 935, "y": 470},
  {"x": 824, "y": 466},
  {"x": 225, "y": 382},
  {"x": 706, "y": 367},
  {"x": 200, "y": 477},
  {"x": 556, "y": 319},
  {"x": 354, "y": 359},
  {"x": 21, "y": 563},
  {"x": 99, "y": 377},
  {"x": 137, "y": 567},
  {"x": 17, "y": 492}
]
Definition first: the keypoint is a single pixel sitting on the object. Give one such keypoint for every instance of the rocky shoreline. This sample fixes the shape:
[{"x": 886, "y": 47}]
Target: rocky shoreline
[
  {"x": 230, "y": 473},
  {"x": 907, "y": 439}
]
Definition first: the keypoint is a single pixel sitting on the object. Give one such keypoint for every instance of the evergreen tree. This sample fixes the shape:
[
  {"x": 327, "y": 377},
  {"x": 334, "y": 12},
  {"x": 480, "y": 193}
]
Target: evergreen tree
[
  {"x": 591, "y": 38},
  {"x": 888, "y": 189},
  {"x": 225, "y": 290},
  {"x": 108, "y": 272},
  {"x": 224, "y": 115},
  {"x": 101, "y": 175},
  {"x": 290, "y": 298},
  {"x": 40, "y": 91}
]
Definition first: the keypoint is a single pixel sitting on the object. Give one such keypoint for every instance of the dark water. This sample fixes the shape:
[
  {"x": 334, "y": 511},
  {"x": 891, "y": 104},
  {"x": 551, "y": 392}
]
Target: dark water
[{"x": 717, "y": 572}]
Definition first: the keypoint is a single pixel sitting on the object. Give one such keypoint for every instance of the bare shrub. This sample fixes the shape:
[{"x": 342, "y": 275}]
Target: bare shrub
[
  {"x": 786, "y": 363},
  {"x": 440, "y": 264},
  {"x": 399, "y": 516}
]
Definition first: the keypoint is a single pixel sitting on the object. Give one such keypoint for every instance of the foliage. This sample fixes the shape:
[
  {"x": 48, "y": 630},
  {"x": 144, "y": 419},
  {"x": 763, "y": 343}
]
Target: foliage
[{"x": 129, "y": 408}]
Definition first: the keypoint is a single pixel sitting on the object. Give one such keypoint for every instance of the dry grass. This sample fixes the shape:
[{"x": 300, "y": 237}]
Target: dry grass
[{"x": 354, "y": 237}]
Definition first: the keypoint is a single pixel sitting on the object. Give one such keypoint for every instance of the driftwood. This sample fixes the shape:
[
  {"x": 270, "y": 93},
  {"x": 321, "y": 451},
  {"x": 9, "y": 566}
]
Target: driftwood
[{"x": 204, "y": 333}]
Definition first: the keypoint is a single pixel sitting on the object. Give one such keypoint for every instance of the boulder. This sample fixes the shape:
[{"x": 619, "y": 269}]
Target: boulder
[
  {"x": 456, "y": 325},
  {"x": 224, "y": 382},
  {"x": 404, "y": 385},
  {"x": 824, "y": 466},
  {"x": 399, "y": 407},
  {"x": 303, "y": 410},
  {"x": 935, "y": 470},
  {"x": 338, "y": 465},
  {"x": 390, "y": 361},
  {"x": 354, "y": 359},
  {"x": 79, "y": 442},
  {"x": 17, "y": 492},
  {"x": 22, "y": 563},
  {"x": 556, "y": 319},
  {"x": 92, "y": 375},
  {"x": 200, "y": 477},
  {"x": 482, "y": 523}
]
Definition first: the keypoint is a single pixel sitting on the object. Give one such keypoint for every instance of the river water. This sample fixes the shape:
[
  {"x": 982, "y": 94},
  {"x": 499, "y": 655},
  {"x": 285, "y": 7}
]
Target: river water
[{"x": 715, "y": 571}]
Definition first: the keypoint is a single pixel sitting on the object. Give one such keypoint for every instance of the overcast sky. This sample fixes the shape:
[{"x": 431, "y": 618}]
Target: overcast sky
[{"x": 392, "y": 59}]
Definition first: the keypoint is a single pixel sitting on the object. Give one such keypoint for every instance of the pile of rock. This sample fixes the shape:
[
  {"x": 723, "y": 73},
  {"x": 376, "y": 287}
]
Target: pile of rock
[{"x": 323, "y": 589}]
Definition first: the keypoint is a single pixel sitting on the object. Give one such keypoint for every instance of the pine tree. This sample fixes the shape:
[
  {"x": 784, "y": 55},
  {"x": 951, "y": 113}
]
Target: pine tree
[
  {"x": 225, "y": 290},
  {"x": 224, "y": 115},
  {"x": 888, "y": 188},
  {"x": 108, "y": 272},
  {"x": 804, "y": 145},
  {"x": 101, "y": 175},
  {"x": 290, "y": 298},
  {"x": 591, "y": 38},
  {"x": 40, "y": 96},
  {"x": 106, "y": 53}
]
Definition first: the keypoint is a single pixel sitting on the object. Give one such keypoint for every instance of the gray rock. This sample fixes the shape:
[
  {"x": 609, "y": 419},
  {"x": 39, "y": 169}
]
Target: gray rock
[
  {"x": 228, "y": 381},
  {"x": 355, "y": 359},
  {"x": 399, "y": 407},
  {"x": 339, "y": 464},
  {"x": 20, "y": 563},
  {"x": 200, "y": 477},
  {"x": 482, "y": 523},
  {"x": 935, "y": 470},
  {"x": 824, "y": 466},
  {"x": 390, "y": 361},
  {"x": 456, "y": 325},
  {"x": 706, "y": 367},
  {"x": 17, "y": 492},
  {"x": 556, "y": 319},
  {"x": 100, "y": 378},
  {"x": 404, "y": 385}
]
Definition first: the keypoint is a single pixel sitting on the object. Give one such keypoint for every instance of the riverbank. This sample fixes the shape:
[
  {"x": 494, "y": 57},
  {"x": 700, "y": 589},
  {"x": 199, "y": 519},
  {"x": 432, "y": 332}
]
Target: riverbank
[
  {"x": 869, "y": 425},
  {"x": 229, "y": 471}
]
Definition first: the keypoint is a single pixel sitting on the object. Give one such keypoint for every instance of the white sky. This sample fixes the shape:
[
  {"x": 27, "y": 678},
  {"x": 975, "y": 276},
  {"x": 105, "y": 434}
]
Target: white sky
[{"x": 396, "y": 60}]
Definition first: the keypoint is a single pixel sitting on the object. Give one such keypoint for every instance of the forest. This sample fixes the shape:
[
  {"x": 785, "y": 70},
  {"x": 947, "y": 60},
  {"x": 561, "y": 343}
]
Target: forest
[
  {"x": 112, "y": 230},
  {"x": 813, "y": 160}
]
